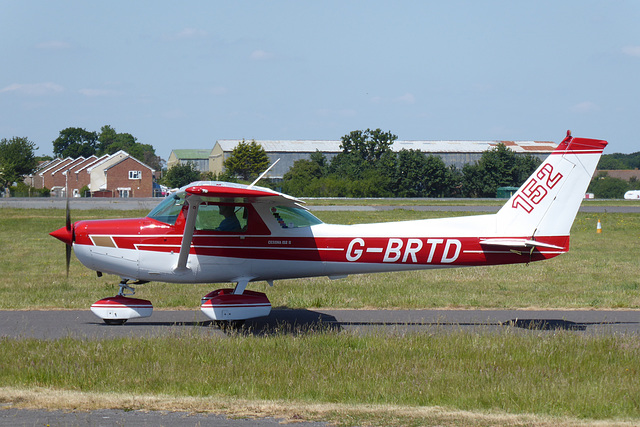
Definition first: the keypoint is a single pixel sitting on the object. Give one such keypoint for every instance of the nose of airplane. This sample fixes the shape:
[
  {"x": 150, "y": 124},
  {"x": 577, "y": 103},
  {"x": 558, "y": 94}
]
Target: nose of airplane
[{"x": 63, "y": 234}]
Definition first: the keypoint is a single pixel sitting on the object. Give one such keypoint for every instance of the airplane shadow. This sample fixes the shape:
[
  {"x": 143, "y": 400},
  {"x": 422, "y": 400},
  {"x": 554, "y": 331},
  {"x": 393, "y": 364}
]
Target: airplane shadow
[
  {"x": 280, "y": 321},
  {"x": 291, "y": 322},
  {"x": 301, "y": 321},
  {"x": 547, "y": 324}
]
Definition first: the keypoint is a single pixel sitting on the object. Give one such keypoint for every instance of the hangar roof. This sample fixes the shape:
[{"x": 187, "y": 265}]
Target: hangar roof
[{"x": 306, "y": 146}]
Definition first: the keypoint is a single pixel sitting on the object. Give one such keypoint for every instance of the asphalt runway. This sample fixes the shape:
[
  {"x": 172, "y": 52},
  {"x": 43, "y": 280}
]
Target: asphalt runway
[{"x": 84, "y": 324}]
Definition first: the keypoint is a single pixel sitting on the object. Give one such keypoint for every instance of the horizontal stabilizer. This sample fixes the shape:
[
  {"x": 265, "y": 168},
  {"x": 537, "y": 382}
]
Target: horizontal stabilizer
[{"x": 518, "y": 243}]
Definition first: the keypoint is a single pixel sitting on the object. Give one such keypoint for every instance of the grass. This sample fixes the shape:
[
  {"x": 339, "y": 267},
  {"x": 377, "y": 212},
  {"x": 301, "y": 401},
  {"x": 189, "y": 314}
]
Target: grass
[
  {"x": 560, "y": 375},
  {"x": 600, "y": 271},
  {"x": 505, "y": 378}
]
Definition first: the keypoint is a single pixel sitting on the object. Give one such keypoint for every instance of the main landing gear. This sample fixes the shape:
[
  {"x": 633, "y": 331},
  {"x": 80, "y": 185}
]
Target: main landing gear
[
  {"x": 118, "y": 309},
  {"x": 227, "y": 307}
]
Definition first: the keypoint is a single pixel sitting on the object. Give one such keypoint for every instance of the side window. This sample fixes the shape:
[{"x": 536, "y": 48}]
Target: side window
[
  {"x": 290, "y": 217},
  {"x": 221, "y": 217}
]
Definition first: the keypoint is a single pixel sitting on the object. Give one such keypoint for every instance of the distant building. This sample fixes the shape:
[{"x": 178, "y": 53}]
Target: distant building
[
  {"x": 114, "y": 175},
  {"x": 199, "y": 158},
  {"x": 287, "y": 151},
  {"x": 456, "y": 153},
  {"x": 625, "y": 174}
]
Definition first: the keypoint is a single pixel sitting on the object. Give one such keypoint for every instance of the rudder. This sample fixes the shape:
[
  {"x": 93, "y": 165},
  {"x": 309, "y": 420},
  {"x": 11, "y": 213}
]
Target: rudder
[{"x": 547, "y": 203}]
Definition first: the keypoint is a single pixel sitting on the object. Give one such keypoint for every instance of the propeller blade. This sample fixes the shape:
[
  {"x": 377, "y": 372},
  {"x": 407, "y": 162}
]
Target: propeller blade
[
  {"x": 68, "y": 253},
  {"x": 68, "y": 216},
  {"x": 71, "y": 231}
]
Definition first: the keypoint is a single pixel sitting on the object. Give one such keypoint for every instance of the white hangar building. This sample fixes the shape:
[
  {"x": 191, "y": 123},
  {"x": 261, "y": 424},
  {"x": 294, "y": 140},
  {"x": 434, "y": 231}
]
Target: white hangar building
[{"x": 457, "y": 153}]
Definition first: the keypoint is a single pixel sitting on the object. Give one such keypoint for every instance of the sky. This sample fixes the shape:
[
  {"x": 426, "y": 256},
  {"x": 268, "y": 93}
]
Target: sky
[{"x": 185, "y": 74}]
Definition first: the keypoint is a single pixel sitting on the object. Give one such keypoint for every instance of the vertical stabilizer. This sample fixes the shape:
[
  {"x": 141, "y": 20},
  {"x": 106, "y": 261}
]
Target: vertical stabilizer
[{"x": 548, "y": 201}]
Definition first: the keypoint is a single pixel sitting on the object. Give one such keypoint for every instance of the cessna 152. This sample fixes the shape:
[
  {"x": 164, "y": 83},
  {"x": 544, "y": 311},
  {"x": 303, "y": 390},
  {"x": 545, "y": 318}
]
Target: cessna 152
[{"x": 211, "y": 232}]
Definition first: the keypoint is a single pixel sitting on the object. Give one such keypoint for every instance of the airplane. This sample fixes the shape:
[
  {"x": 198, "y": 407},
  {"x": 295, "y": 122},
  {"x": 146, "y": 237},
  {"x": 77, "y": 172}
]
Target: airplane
[{"x": 213, "y": 232}]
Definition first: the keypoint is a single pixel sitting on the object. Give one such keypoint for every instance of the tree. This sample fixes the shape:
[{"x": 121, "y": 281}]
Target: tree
[
  {"x": 247, "y": 160},
  {"x": 297, "y": 179},
  {"x": 75, "y": 142},
  {"x": 109, "y": 142},
  {"x": 619, "y": 161},
  {"x": 370, "y": 145},
  {"x": 181, "y": 175},
  {"x": 17, "y": 158},
  {"x": 363, "y": 151},
  {"x": 606, "y": 187},
  {"x": 497, "y": 167},
  {"x": 419, "y": 175}
]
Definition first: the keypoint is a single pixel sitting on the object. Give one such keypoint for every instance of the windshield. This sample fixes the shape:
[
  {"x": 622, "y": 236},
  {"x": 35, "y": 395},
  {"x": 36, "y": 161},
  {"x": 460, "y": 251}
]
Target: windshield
[
  {"x": 289, "y": 217},
  {"x": 169, "y": 209}
]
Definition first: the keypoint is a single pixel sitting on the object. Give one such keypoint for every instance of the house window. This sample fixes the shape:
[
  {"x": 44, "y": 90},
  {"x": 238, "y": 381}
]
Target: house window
[
  {"x": 135, "y": 174},
  {"x": 124, "y": 192}
]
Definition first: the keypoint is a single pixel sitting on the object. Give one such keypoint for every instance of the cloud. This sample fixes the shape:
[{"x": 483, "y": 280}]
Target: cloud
[
  {"x": 53, "y": 45},
  {"x": 33, "y": 89},
  {"x": 585, "y": 107},
  {"x": 631, "y": 51},
  {"x": 261, "y": 55}
]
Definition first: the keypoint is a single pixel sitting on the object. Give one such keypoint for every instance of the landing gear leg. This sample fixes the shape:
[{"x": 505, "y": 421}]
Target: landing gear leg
[{"x": 123, "y": 286}]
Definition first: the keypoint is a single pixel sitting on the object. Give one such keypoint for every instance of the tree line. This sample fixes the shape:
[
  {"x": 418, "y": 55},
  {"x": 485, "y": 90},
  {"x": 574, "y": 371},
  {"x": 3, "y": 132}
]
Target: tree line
[
  {"x": 76, "y": 142},
  {"x": 367, "y": 167},
  {"x": 607, "y": 187}
]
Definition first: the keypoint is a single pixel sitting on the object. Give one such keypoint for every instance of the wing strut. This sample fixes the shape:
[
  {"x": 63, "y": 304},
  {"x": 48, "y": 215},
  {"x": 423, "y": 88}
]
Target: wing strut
[
  {"x": 263, "y": 174},
  {"x": 187, "y": 236}
]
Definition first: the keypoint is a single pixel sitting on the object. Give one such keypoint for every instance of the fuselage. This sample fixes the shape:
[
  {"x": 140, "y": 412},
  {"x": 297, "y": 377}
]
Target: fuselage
[{"x": 147, "y": 249}]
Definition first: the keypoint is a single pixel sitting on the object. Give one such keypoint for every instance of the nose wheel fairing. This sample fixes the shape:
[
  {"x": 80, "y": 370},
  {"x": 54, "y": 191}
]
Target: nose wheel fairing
[{"x": 119, "y": 309}]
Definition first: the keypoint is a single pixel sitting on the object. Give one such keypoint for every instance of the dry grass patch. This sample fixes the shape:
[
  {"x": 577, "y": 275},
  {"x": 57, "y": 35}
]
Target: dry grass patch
[{"x": 290, "y": 411}]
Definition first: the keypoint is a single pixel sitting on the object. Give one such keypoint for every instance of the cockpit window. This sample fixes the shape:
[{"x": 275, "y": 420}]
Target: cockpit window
[
  {"x": 169, "y": 209},
  {"x": 222, "y": 217},
  {"x": 290, "y": 217}
]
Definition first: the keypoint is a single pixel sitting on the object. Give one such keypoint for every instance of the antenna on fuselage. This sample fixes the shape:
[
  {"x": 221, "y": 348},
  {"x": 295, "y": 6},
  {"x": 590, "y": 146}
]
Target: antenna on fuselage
[{"x": 263, "y": 174}]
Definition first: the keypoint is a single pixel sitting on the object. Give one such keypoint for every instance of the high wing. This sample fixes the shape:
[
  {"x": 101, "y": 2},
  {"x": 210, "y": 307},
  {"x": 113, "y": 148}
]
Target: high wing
[{"x": 199, "y": 191}]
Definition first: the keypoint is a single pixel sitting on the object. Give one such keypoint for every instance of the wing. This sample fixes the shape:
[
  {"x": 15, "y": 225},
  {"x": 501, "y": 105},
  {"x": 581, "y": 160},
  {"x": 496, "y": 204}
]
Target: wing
[
  {"x": 224, "y": 191},
  {"x": 198, "y": 192}
]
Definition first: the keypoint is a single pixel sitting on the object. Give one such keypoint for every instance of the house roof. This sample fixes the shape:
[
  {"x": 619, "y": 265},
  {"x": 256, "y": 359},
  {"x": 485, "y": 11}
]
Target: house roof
[
  {"x": 132, "y": 158},
  {"x": 287, "y": 146},
  {"x": 191, "y": 154}
]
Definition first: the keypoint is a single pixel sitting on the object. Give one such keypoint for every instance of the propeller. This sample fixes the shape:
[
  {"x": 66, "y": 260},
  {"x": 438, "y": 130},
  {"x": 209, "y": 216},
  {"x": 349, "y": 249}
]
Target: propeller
[
  {"x": 70, "y": 230},
  {"x": 67, "y": 235}
]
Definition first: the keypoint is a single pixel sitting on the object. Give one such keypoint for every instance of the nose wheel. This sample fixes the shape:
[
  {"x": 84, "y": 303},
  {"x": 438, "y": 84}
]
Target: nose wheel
[{"x": 120, "y": 308}]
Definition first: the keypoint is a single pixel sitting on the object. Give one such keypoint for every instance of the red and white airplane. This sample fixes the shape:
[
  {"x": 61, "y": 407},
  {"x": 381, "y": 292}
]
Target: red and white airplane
[{"x": 211, "y": 232}]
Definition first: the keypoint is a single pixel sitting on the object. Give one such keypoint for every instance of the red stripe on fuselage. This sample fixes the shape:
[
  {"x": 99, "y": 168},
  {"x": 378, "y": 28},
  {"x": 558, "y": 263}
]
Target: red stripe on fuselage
[{"x": 446, "y": 251}]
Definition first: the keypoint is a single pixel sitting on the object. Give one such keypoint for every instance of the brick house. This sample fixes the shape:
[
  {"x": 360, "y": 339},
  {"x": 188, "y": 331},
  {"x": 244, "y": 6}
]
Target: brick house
[
  {"x": 128, "y": 177},
  {"x": 112, "y": 175}
]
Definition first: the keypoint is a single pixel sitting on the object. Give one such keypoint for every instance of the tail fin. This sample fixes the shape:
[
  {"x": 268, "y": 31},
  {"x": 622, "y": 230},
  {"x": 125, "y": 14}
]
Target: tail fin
[{"x": 548, "y": 201}]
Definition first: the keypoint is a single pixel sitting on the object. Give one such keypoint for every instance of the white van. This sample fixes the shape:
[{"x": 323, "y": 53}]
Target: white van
[{"x": 633, "y": 194}]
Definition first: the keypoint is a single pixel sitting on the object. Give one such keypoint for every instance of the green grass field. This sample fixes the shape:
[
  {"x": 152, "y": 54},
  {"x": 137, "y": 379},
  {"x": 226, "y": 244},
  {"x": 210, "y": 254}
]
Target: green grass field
[
  {"x": 600, "y": 271},
  {"x": 506, "y": 378}
]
